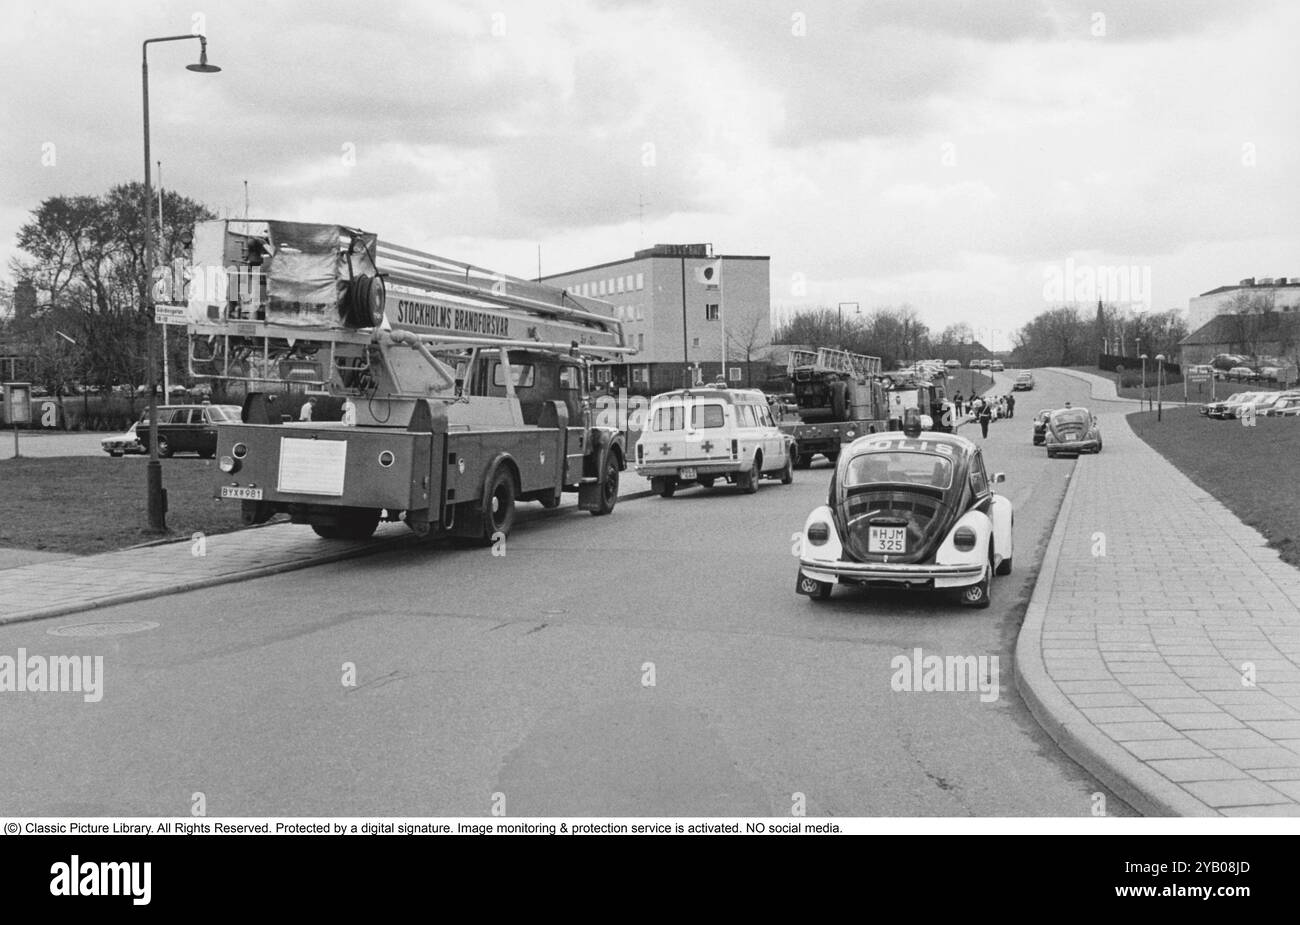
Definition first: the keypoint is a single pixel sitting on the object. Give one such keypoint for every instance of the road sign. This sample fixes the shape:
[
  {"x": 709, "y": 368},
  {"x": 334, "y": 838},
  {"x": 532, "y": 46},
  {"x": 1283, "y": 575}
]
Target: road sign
[
  {"x": 18, "y": 402},
  {"x": 170, "y": 314}
]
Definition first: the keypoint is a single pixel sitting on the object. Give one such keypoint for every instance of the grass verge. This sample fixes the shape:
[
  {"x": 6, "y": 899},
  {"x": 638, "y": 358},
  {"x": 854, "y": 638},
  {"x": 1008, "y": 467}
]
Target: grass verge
[
  {"x": 1251, "y": 470},
  {"x": 89, "y": 504}
]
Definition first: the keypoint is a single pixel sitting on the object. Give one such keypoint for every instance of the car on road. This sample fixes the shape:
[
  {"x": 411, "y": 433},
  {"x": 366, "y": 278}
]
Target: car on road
[
  {"x": 909, "y": 510},
  {"x": 188, "y": 428},
  {"x": 1071, "y": 431},
  {"x": 1024, "y": 383},
  {"x": 1040, "y": 426},
  {"x": 120, "y": 445},
  {"x": 698, "y": 436},
  {"x": 1226, "y": 407},
  {"x": 996, "y": 366}
]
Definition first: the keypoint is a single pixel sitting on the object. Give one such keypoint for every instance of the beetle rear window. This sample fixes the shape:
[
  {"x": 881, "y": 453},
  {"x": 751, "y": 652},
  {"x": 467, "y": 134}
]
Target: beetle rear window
[{"x": 899, "y": 468}]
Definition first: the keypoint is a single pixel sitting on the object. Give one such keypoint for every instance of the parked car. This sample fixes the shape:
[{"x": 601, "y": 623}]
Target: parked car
[
  {"x": 1071, "y": 431},
  {"x": 1227, "y": 407},
  {"x": 1242, "y": 374},
  {"x": 1259, "y": 402},
  {"x": 121, "y": 445},
  {"x": 187, "y": 428},
  {"x": 908, "y": 511},
  {"x": 996, "y": 366},
  {"x": 1024, "y": 383},
  {"x": 1040, "y": 426},
  {"x": 953, "y": 364},
  {"x": 1286, "y": 406},
  {"x": 697, "y": 436}
]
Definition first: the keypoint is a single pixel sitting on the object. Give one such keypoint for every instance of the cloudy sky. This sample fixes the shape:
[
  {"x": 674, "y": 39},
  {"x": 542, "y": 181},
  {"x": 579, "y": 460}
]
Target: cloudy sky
[{"x": 948, "y": 154}]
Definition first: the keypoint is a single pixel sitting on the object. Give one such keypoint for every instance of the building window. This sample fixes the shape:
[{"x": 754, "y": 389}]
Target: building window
[
  {"x": 640, "y": 313},
  {"x": 620, "y": 284},
  {"x": 711, "y": 312},
  {"x": 640, "y": 342},
  {"x": 695, "y": 341},
  {"x": 640, "y": 281}
]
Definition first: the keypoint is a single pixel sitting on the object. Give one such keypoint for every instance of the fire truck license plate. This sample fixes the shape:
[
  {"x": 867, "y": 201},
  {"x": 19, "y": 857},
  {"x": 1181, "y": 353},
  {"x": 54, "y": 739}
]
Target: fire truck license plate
[
  {"x": 243, "y": 494},
  {"x": 687, "y": 473},
  {"x": 887, "y": 539}
]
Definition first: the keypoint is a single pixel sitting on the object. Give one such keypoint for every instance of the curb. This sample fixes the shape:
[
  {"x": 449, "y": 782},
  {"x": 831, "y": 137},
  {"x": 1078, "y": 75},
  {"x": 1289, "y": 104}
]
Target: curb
[
  {"x": 130, "y": 597},
  {"x": 1094, "y": 382},
  {"x": 1149, "y": 793}
]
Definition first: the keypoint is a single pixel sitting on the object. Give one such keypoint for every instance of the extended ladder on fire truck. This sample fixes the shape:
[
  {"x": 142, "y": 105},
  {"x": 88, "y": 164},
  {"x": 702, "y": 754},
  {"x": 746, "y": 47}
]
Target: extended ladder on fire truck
[
  {"x": 806, "y": 364},
  {"x": 469, "y": 387}
]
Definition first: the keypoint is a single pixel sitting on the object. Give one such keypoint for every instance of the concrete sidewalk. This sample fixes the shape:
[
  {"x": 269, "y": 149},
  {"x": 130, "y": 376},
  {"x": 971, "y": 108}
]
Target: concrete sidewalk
[
  {"x": 34, "y": 586},
  {"x": 1161, "y": 648}
]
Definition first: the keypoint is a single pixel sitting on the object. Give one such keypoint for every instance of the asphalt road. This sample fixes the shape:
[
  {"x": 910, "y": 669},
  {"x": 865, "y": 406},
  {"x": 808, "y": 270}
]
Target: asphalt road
[{"x": 656, "y": 662}]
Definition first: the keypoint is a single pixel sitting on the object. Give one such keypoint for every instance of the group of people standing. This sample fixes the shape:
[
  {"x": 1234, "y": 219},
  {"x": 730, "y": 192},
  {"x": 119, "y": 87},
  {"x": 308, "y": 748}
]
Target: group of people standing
[{"x": 984, "y": 410}]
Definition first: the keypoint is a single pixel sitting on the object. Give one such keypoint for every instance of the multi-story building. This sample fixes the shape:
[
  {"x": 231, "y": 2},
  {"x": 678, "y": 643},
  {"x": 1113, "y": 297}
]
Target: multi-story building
[
  {"x": 675, "y": 300},
  {"x": 1281, "y": 294}
]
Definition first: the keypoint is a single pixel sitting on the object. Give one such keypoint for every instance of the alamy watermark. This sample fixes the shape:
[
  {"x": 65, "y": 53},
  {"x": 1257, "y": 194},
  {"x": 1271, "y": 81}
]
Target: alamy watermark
[
  {"x": 53, "y": 674},
  {"x": 946, "y": 673},
  {"x": 1115, "y": 284}
]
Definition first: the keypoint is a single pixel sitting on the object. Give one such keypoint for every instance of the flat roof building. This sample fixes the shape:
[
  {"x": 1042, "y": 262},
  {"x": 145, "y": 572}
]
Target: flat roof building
[{"x": 674, "y": 301}]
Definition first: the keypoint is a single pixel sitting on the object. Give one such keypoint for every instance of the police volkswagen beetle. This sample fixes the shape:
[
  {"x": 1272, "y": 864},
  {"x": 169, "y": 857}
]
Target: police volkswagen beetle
[{"x": 909, "y": 509}]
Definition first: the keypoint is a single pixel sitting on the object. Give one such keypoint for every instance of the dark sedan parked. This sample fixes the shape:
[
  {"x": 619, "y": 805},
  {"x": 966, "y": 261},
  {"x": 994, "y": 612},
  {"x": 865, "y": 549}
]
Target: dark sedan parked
[{"x": 187, "y": 428}]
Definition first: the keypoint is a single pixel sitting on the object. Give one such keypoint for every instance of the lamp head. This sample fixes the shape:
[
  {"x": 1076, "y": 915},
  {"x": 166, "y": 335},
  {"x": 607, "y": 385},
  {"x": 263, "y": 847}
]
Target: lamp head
[{"x": 203, "y": 67}]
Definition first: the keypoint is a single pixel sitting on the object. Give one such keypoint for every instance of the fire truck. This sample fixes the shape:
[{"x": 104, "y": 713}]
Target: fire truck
[
  {"x": 839, "y": 399},
  {"x": 465, "y": 392},
  {"x": 842, "y": 396}
]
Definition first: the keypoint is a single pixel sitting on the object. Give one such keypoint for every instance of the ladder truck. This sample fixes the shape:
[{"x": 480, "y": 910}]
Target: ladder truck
[
  {"x": 466, "y": 391},
  {"x": 839, "y": 400}
]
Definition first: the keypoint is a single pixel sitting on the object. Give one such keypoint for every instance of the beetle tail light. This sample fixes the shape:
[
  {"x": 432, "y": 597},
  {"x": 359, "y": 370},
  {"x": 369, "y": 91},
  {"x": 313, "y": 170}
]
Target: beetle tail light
[{"x": 964, "y": 539}]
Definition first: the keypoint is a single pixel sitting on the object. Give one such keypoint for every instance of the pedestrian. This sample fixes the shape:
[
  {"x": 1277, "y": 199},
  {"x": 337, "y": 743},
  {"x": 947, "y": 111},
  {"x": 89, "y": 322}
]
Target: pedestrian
[
  {"x": 349, "y": 412},
  {"x": 984, "y": 416},
  {"x": 307, "y": 408},
  {"x": 957, "y": 403},
  {"x": 1011, "y": 406}
]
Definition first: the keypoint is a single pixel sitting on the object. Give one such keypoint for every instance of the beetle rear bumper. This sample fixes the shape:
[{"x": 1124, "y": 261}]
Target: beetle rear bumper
[{"x": 929, "y": 575}]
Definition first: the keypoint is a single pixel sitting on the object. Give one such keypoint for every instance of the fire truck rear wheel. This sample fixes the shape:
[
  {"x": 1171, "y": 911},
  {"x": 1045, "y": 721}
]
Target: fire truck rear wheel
[
  {"x": 498, "y": 510},
  {"x": 608, "y": 487}
]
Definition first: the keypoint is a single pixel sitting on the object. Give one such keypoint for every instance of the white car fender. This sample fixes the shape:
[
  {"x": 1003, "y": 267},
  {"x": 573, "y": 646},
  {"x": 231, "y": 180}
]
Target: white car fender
[
  {"x": 949, "y": 554},
  {"x": 830, "y": 551},
  {"x": 1003, "y": 542}
]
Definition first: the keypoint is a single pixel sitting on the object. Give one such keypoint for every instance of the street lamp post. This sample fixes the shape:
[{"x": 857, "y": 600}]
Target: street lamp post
[
  {"x": 1160, "y": 375},
  {"x": 156, "y": 500},
  {"x": 1144, "y": 379}
]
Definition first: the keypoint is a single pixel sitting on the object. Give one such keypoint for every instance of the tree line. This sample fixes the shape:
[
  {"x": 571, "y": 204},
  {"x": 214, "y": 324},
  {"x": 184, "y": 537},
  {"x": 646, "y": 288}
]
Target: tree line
[{"x": 77, "y": 303}]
